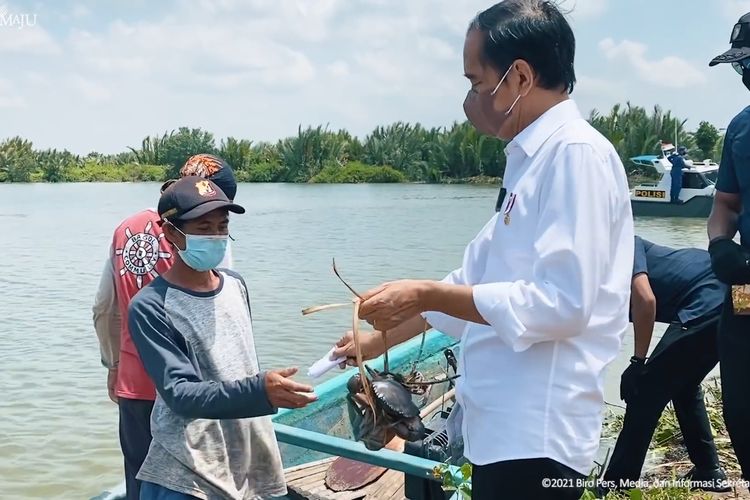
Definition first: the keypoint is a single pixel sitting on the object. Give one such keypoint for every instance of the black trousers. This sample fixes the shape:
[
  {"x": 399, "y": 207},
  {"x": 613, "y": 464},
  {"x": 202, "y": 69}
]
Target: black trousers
[
  {"x": 734, "y": 353},
  {"x": 680, "y": 362},
  {"x": 135, "y": 438},
  {"x": 537, "y": 478}
]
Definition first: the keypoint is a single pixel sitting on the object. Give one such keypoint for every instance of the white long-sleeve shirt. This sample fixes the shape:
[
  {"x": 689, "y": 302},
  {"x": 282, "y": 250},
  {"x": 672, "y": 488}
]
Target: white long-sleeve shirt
[{"x": 554, "y": 285}]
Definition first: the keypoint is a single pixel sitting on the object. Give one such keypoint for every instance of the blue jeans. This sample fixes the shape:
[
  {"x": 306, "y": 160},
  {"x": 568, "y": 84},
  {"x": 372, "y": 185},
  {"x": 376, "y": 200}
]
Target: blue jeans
[{"x": 152, "y": 491}]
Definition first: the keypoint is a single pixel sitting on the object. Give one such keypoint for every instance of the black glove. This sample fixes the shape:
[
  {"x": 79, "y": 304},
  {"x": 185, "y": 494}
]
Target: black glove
[
  {"x": 630, "y": 380},
  {"x": 730, "y": 262}
]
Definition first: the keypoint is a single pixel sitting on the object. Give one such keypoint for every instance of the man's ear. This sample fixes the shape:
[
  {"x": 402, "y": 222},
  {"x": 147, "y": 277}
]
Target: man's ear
[
  {"x": 171, "y": 233},
  {"x": 526, "y": 77}
]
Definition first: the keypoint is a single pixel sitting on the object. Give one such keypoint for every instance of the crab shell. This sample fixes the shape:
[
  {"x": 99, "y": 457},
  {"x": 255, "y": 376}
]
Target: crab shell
[{"x": 394, "y": 399}]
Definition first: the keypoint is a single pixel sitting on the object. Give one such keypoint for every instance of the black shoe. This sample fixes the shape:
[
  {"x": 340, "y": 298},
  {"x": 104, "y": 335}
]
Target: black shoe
[{"x": 708, "y": 480}]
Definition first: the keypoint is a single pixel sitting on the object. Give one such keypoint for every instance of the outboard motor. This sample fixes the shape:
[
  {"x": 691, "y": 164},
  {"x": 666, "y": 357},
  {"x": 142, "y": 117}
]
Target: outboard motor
[{"x": 435, "y": 446}]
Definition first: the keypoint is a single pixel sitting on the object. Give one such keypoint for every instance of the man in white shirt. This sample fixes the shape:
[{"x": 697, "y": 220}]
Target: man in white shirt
[{"x": 540, "y": 302}]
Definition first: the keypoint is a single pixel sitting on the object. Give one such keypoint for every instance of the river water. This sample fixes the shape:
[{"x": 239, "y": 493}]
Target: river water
[{"x": 58, "y": 429}]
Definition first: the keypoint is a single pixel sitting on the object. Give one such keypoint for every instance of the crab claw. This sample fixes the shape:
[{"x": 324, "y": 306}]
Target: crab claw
[
  {"x": 410, "y": 429},
  {"x": 354, "y": 384},
  {"x": 374, "y": 437},
  {"x": 373, "y": 373}
]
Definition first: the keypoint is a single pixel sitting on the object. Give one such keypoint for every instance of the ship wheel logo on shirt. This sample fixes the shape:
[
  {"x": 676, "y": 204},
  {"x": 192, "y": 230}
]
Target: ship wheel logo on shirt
[{"x": 141, "y": 253}]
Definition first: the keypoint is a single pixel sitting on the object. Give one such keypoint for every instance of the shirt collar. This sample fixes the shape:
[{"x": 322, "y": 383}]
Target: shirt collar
[{"x": 533, "y": 136}]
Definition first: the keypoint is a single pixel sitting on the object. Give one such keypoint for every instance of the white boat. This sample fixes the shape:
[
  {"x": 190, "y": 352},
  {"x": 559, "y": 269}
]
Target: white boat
[{"x": 696, "y": 195}]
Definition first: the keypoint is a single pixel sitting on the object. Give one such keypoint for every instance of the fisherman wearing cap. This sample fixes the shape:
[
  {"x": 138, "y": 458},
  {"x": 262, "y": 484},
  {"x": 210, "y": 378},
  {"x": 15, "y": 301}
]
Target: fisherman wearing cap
[
  {"x": 139, "y": 253},
  {"x": 192, "y": 326},
  {"x": 731, "y": 260}
]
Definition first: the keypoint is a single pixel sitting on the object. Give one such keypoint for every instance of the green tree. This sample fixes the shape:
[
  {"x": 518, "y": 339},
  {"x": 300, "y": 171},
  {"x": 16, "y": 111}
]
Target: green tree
[
  {"x": 633, "y": 131},
  {"x": 462, "y": 152},
  {"x": 400, "y": 145},
  {"x": 17, "y": 160},
  {"x": 238, "y": 153},
  {"x": 174, "y": 148},
  {"x": 310, "y": 151},
  {"x": 186, "y": 142},
  {"x": 151, "y": 151},
  {"x": 719, "y": 148},
  {"x": 706, "y": 138},
  {"x": 54, "y": 165}
]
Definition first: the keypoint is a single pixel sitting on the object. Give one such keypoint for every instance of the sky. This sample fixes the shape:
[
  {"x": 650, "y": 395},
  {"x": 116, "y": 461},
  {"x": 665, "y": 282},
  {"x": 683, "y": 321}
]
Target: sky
[{"x": 100, "y": 76}]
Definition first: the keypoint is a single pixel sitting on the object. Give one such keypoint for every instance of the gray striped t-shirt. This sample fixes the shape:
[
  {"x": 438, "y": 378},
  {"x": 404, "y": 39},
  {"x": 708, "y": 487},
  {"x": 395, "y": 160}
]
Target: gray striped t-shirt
[{"x": 212, "y": 434}]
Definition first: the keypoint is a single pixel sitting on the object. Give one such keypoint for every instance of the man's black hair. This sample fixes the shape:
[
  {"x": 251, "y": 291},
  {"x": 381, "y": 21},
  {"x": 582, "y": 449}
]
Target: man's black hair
[{"x": 532, "y": 30}]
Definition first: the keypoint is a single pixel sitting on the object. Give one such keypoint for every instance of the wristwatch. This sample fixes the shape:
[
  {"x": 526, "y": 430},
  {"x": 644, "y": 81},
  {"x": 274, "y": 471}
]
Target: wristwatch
[{"x": 635, "y": 360}]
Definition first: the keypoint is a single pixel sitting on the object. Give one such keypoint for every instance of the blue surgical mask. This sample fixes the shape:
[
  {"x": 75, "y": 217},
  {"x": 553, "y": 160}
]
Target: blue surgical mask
[{"x": 203, "y": 252}]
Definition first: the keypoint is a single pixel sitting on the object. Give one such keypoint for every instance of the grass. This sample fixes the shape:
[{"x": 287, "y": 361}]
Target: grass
[{"x": 674, "y": 461}]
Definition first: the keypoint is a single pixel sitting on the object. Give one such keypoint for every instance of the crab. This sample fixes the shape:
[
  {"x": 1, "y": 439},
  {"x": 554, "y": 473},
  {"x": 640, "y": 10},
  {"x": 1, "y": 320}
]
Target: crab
[
  {"x": 392, "y": 413},
  {"x": 379, "y": 403}
]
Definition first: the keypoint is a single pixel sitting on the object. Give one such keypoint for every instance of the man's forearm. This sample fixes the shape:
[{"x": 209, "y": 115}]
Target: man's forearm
[
  {"x": 722, "y": 222},
  {"x": 107, "y": 320},
  {"x": 406, "y": 330},
  {"x": 453, "y": 300},
  {"x": 246, "y": 398},
  {"x": 643, "y": 326}
]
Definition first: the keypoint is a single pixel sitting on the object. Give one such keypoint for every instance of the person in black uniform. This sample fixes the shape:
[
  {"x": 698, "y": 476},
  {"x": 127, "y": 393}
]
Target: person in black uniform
[
  {"x": 674, "y": 286},
  {"x": 678, "y": 164},
  {"x": 730, "y": 260}
]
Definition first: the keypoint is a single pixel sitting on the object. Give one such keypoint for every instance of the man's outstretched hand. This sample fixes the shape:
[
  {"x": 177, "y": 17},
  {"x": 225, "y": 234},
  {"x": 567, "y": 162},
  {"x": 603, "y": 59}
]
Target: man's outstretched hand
[{"x": 283, "y": 392}]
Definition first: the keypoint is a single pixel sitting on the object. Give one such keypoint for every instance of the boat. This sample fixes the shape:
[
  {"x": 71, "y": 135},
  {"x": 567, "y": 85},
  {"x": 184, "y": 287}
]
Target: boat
[
  {"x": 323, "y": 461},
  {"x": 696, "y": 195}
]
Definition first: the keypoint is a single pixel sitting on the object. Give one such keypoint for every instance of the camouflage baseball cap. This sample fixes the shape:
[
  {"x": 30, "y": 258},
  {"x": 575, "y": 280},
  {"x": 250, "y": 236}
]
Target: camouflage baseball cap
[{"x": 214, "y": 168}]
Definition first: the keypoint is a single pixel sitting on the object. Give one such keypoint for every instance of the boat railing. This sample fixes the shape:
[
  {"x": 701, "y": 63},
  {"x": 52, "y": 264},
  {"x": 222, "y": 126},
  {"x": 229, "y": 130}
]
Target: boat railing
[{"x": 408, "y": 464}]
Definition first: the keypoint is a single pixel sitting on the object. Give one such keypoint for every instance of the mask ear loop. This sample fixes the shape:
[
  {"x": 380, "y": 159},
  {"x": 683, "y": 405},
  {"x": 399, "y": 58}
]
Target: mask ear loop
[
  {"x": 501, "y": 80},
  {"x": 515, "y": 102},
  {"x": 167, "y": 221},
  {"x": 513, "y": 105}
]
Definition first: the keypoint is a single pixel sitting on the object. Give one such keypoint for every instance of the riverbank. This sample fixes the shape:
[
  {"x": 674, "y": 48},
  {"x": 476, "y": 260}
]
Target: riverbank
[
  {"x": 668, "y": 460},
  {"x": 155, "y": 173}
]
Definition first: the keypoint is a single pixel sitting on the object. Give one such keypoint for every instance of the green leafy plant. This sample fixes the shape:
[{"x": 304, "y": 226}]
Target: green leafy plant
[{"x": 459, "y": 481}]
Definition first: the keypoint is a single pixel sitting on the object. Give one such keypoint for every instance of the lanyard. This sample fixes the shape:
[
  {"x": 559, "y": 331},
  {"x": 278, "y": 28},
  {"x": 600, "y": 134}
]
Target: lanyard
[{"x": 500, "y": 199}]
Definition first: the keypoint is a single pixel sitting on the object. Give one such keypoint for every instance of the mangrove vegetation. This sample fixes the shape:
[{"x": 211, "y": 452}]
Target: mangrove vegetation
[{"x": 400, "y": 152}]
